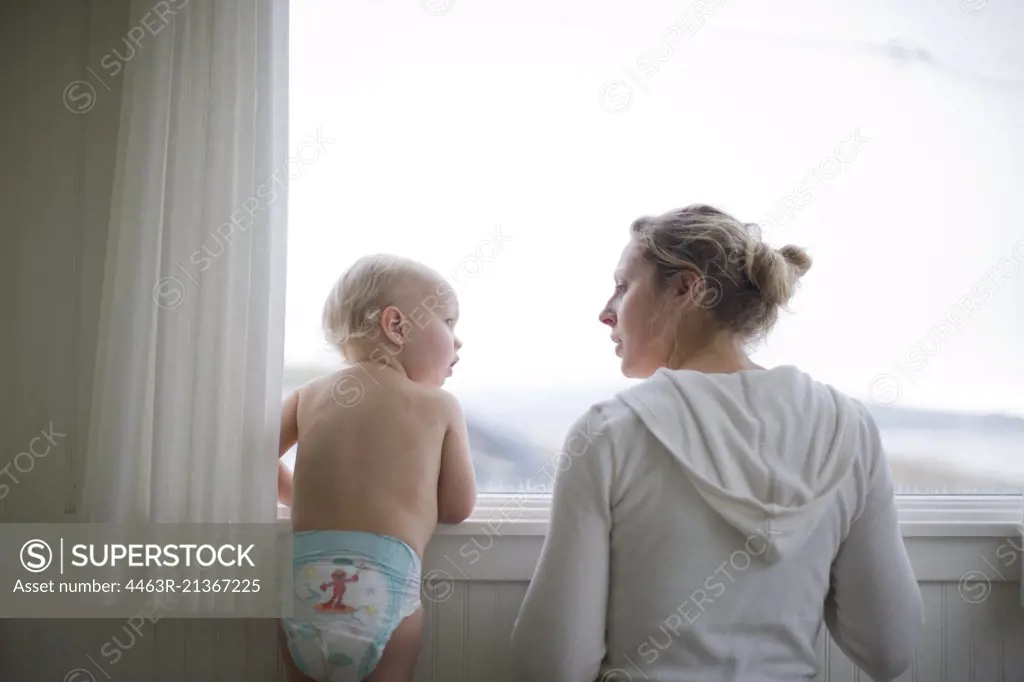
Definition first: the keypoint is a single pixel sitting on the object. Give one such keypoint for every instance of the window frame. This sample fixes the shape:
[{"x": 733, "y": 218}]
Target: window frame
[{"x": 920, "y": 515}]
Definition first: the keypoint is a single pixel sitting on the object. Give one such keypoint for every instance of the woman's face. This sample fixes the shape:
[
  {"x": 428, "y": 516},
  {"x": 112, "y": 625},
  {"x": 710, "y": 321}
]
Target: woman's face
[{"x": 636, "y": 314}]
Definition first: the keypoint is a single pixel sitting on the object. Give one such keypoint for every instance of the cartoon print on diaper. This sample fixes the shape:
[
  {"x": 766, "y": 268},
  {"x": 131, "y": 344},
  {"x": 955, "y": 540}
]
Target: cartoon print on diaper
[{"x": 337, "y": 585}]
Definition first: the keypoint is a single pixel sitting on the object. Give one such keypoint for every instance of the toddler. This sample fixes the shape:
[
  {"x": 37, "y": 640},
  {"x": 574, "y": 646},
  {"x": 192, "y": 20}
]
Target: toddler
[{"x": 382, "y": 457}]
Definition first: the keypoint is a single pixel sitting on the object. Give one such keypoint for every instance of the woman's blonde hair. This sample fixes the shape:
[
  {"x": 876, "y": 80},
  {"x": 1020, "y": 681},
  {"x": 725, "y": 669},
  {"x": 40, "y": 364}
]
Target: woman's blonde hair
[
  {"x": 743, "y": 281},
  {"x": 352, "y": 311}
]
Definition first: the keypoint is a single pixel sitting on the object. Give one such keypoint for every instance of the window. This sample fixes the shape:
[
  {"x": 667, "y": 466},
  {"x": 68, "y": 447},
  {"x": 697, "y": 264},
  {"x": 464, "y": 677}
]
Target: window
[{"x": 510, "y": 146}]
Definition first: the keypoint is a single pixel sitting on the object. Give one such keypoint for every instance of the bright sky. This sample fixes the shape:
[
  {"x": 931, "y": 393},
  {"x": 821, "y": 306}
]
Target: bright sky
[{"x": 449, "y": 125}]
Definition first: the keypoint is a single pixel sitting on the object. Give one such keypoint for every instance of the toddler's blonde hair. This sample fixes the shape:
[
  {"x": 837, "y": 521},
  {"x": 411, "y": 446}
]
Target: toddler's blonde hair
[{"x": 352, "y": 311}]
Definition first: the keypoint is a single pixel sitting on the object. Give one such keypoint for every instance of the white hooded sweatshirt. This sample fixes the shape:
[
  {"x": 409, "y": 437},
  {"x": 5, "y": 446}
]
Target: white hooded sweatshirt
[{"x": 704, "y": 526}]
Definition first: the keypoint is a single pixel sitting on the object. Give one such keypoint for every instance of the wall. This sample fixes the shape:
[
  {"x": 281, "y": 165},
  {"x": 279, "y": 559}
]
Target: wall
[
  {"x": 57, "y": 176},
  {"x": 57, "y": 168}
]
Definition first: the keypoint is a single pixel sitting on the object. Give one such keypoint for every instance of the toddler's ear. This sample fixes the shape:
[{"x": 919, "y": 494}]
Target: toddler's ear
[{"x": 392, "y": 321}]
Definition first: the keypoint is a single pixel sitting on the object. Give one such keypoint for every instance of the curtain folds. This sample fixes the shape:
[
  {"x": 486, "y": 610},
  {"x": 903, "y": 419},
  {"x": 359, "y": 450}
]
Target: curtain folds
[{"x": 187, "y": 382}]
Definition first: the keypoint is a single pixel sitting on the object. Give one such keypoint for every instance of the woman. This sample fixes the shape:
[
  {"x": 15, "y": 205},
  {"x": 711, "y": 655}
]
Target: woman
[{"x": 706, "y": 521}]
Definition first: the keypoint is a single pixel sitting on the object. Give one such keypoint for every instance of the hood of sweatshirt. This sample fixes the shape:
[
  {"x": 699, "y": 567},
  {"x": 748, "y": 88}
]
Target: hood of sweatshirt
[{"x": 766, "y": 449}]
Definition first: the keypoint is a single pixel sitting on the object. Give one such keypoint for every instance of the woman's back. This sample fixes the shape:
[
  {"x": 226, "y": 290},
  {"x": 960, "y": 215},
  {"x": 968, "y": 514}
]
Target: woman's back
[{"x": 717, "y": 517}]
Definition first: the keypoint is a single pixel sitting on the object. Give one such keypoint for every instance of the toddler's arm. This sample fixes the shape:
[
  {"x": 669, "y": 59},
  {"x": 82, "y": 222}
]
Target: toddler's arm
[
  {"x": 456, "y": 485},
  {"x": 289, "y": 436}
]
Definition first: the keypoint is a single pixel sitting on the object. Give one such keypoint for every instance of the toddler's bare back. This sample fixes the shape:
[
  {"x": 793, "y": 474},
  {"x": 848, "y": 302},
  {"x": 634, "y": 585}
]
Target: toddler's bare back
[{"x": 369, "y": 454}]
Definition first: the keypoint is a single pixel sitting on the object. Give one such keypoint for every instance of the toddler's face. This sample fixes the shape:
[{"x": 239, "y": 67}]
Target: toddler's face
[{"x": 431, "y": 350}]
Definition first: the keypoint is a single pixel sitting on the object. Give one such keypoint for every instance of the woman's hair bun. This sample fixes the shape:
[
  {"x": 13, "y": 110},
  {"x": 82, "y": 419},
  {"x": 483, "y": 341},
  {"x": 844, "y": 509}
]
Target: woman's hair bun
[{"x": 776, "y": 272}]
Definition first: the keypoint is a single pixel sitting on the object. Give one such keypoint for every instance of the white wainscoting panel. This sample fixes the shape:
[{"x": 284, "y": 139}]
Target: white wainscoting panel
[
  {"x": 974, "y": 632},
  {"x": 962, "y": 641}
]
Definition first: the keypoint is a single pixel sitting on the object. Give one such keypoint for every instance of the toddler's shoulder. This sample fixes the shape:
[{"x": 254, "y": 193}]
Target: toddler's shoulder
[
  {"x": 437, "y": 400},
  {"x": 449, "y": 403}
]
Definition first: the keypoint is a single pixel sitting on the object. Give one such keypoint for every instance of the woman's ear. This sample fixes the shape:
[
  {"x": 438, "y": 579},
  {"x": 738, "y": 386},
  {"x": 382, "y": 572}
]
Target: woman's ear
[
  {"x": 394, "y": 326},
  {"x": 693, "y": 289},
  {"x": 683, "y": 284}
]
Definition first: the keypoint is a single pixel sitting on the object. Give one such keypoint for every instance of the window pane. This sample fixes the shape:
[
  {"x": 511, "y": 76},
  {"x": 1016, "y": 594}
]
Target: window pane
[{"x": 509, "y": 146}]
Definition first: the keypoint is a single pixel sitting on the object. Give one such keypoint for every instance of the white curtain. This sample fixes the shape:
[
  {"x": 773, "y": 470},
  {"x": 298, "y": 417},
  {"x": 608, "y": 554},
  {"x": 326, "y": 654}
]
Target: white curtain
[{"x": 187, "y": 387}]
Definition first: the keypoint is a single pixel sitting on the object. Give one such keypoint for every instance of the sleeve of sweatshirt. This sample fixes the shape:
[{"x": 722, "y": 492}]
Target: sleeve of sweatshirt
[
  {"x": 874, "y": 609},
  {"x": 559, "y": 635}
]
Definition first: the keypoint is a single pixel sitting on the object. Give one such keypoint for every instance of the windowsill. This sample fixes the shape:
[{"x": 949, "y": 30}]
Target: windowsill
[
  {"x": 947, "y": 538},
  {"x": 954, "y": 516},
  {"x": 477, "y": 525}
]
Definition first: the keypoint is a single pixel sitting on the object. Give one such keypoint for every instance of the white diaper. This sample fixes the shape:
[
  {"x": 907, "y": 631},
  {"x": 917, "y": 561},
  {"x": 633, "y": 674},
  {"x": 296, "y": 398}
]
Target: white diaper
[{"x": 351, "y": 591}]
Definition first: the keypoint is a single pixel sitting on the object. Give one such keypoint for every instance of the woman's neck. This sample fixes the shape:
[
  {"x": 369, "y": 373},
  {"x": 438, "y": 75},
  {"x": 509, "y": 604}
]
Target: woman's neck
[{"x": 724, "y": 356}]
